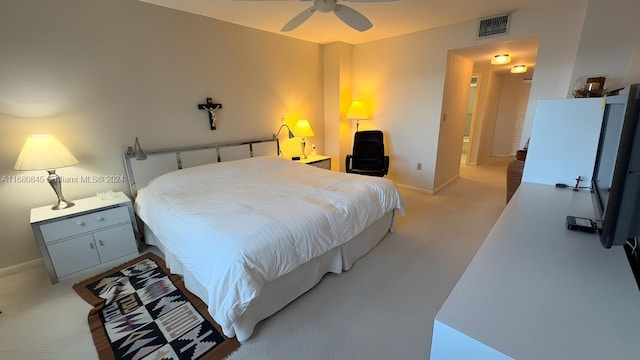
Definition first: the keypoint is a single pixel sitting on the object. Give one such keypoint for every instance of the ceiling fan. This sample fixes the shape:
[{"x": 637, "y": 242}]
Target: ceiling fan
[{"x": 348, "y": 15}]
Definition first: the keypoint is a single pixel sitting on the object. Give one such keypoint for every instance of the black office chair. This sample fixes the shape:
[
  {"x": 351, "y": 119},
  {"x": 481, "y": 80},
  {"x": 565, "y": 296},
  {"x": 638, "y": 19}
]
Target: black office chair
[{"x": 368, "y": 156}]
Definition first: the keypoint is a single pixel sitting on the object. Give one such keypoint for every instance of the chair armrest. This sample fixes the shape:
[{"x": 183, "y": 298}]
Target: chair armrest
[
  {"x": 386, "y": 164},
  {"x": 348, "y": 164}
]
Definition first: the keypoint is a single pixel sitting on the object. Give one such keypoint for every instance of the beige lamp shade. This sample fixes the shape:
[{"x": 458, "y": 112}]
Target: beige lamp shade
[
  {"x": 44, "y": 152},
  {"x": 357, "y": 111},
  {"x": 303, "y": 129}
]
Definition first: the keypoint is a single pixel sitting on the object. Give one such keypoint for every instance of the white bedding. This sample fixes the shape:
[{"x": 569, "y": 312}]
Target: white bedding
[{"x": 237, "y": 225}]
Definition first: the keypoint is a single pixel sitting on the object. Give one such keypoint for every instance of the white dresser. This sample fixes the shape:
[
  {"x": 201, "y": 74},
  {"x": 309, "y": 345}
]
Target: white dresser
[{"x": 93, "y": 233}]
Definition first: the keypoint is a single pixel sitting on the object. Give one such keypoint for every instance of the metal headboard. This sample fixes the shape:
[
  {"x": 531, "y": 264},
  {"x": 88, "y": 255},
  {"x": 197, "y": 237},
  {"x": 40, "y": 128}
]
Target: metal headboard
[{"x": 158, "y": 162}]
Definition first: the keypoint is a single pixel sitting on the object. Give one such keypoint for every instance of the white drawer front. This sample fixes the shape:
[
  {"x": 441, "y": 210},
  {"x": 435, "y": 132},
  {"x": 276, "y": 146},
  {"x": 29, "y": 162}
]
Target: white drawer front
[
  {"x": 84, "y": 223},
  {"x": 324, "y": 164}
]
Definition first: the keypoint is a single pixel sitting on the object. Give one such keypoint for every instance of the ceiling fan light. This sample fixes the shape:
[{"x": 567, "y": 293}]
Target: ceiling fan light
[
  {"x": 325, "y": 6},
  {"x": 500, "y": 59},
  {"x": 348, "y": 15},
  {"x": 519, "y": 69}
]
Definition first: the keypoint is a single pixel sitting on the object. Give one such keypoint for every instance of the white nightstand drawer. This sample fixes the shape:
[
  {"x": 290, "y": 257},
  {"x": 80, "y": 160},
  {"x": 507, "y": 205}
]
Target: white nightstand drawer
[
  {"x": 84, "y": 223},
  {"x": 323, "y": 164}
]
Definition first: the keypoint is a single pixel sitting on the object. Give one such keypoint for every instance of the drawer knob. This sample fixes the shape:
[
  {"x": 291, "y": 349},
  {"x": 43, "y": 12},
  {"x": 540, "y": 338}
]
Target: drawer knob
[
  {"x": 92, "y": 246},
  {"x": 79, "y": 223},
  {"x": 99, "y": 218},
  {"x": 101, "y": 242}
]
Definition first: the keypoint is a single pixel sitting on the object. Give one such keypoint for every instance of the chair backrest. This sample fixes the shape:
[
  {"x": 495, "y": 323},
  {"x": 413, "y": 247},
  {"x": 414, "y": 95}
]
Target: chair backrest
[
  {"x": 368, "y": 149},
  {"x": 368, "y": 143}
]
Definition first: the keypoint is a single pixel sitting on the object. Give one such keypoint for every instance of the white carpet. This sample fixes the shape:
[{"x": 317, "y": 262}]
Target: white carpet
[{"x": 383, "y": 308}]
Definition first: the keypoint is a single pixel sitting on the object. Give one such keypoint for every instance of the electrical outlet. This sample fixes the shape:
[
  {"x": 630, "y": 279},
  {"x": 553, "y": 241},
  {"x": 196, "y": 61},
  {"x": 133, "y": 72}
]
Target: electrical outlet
[
  {"x": 283, "y": 119},
  {"x": 419, "y": 166}
]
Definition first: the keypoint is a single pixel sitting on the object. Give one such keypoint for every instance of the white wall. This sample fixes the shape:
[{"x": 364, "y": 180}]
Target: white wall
[
  {"x": 404, "y": 79},
  {"x": 564, "y": 141},
  {"x": 488, "y": 114},
  {"x": 98, "y": 73},
  {"x": 609, "y": 43},
  {"x": 507, "y": 116},
  {"x": 338, "y": 61},
  {"x": 453, "y": 119}
]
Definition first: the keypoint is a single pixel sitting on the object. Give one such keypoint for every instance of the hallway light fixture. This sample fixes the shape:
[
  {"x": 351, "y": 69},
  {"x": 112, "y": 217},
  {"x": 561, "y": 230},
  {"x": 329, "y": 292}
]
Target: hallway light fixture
[
  {"x": 519, "y": 69},
  {"x": 500, "y": 59}
]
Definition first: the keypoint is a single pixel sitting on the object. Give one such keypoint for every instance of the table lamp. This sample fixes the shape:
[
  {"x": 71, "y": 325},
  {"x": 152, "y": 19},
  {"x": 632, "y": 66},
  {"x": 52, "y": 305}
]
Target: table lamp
[
  {"x": 357, "y": 112},
  {"x": 45, "y": 152},
  {"x": 303, "y": 129}
]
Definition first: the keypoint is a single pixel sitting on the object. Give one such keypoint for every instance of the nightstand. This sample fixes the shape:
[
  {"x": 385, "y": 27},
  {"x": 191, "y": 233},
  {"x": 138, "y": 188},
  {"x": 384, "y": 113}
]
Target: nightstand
[
  {"x": 95, "y": 233},
  {"x": 321, "y": 161}
]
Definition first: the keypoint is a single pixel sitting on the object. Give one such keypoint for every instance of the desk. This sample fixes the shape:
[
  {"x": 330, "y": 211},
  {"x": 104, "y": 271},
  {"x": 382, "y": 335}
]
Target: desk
[{"x": 536, "y": 290}]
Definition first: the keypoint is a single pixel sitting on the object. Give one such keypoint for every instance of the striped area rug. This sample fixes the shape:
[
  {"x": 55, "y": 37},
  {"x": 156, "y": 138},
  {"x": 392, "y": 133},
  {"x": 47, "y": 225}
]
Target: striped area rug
[{"x": 143, "y": 312}]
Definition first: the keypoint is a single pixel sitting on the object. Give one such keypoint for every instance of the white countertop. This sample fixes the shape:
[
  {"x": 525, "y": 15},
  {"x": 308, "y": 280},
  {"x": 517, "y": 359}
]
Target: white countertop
[
  {"x": 536, "y": 290},
  {"x": 81, "y": 205}
]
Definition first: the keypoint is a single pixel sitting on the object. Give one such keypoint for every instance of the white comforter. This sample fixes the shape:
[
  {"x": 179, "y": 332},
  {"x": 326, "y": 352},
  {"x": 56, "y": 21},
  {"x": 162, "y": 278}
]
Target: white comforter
[{"x": 238, "y": 225}]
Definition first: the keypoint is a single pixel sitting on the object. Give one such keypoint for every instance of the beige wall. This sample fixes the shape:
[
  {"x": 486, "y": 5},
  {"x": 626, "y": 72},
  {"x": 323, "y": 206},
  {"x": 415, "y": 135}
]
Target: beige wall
[
  {"x": 488, "y": 114},
  {"x": 404, "y": 78},
  {"x": 609, "y": 43},
  {"x": 507, "y": 116},
  {"x": 453, "y": 119},
  {"x": 98, "y": 73},
  {"x": 338, "y": 67}
]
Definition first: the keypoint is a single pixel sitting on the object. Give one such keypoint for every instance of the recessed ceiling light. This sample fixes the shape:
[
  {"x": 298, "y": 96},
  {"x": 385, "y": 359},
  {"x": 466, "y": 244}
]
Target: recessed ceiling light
[
  {"x": 519, "y": 69},
  {"x": 500, "y": 59}
]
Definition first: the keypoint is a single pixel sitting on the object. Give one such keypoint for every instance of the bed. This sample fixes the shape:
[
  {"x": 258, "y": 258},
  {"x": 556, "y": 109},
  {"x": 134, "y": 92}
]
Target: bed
[{"x": 250, "y": 235}]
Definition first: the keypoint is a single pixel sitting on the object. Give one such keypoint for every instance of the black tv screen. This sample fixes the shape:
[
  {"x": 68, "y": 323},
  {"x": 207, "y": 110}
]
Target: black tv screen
[{"x": 615, "y": 184}]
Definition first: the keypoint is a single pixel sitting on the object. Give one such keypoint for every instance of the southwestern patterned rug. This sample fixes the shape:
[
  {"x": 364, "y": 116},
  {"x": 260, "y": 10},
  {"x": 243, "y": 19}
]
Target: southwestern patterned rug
[{"x": 141, "y": 311}]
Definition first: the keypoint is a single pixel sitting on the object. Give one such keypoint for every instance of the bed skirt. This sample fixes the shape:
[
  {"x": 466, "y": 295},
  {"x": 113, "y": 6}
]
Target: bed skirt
[{"x": 278, "y": 293}]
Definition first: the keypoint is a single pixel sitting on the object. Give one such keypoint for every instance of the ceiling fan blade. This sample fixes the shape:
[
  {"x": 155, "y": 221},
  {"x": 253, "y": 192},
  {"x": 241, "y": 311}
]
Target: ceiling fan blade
[
  {"x": 298, "y": 19},
  {"x": 352, "y": 18}
]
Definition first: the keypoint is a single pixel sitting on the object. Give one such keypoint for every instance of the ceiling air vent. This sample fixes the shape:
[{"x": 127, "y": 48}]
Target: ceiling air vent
[{"x": 493, "y": 26}]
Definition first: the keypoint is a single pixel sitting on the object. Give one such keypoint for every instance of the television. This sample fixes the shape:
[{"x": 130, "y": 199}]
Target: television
[{"x": 615, "y": 184}]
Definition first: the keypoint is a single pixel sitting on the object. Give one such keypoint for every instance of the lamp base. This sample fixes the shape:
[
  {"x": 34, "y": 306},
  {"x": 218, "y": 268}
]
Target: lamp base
[
  {"x": 62, "y": 204},
  {"x": 56, "y": 184},
  {"x": 304, "y": 145}
]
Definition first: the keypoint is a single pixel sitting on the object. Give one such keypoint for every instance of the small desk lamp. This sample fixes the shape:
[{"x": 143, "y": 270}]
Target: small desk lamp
[
  {"x": 275, "y": 136},
  {"x": 136, "y": 151},
  {"x": 45, "y": 152},
  {"x": 356, "y": 112},
  {"x": 303, "y": 129}
]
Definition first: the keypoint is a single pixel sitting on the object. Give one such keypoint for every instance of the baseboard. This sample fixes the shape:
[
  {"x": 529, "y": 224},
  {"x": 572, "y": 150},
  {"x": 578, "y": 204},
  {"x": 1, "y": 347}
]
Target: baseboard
[
  {"x": 21, "y": 267},
  {"x": 446, "y": 184},
  {"x": 413, "y": 188}
]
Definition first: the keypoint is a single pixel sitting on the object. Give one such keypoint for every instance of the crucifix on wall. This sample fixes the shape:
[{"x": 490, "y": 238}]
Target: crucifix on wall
[{"x": 211, "y": 109}]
